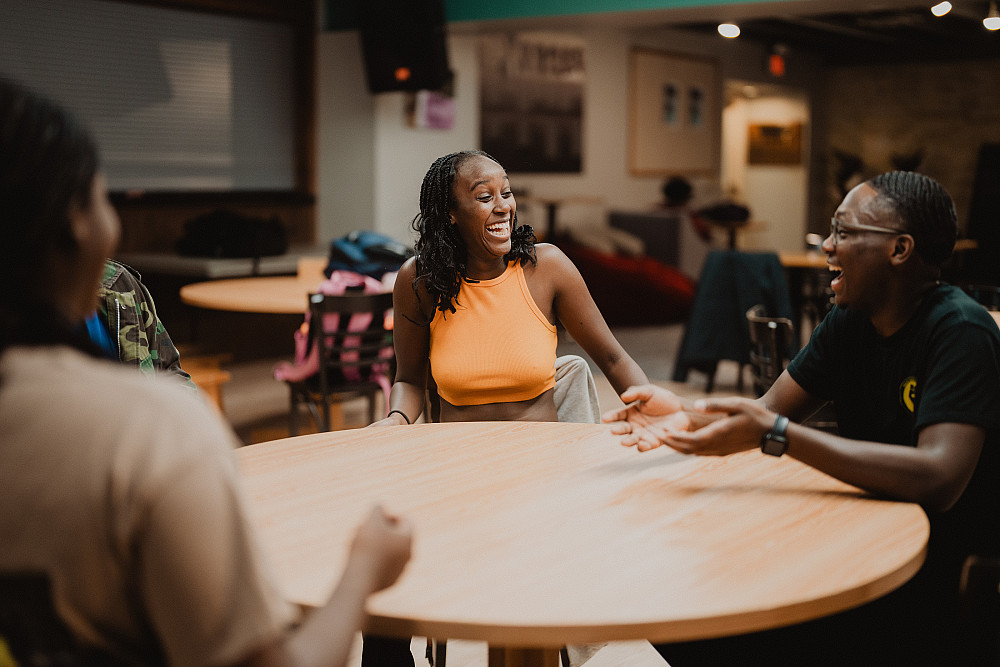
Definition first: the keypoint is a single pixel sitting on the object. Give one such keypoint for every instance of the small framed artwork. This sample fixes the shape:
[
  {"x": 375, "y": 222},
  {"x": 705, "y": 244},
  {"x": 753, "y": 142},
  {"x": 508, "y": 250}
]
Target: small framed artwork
[
  {"x": 675, "y": 116},
  {"x": 775, "y": 144}
]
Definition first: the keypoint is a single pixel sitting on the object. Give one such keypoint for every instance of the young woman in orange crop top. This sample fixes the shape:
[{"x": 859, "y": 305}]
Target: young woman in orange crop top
[{"x": 479, "y": 301}]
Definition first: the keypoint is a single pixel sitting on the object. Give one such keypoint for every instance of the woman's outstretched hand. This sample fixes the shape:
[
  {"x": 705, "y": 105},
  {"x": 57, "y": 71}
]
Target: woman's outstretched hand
[{"x": 650, "y": 414}]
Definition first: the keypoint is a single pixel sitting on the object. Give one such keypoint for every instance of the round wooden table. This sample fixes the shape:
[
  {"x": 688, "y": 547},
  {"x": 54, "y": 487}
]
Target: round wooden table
[
  {"x": 270, "y": 294},
  {"x": 530, "y": 536}
]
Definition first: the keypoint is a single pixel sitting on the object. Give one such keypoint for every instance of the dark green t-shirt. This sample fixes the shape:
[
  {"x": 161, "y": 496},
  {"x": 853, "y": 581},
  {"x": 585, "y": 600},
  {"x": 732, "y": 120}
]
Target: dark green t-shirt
[{"x": 942, "y": 366}]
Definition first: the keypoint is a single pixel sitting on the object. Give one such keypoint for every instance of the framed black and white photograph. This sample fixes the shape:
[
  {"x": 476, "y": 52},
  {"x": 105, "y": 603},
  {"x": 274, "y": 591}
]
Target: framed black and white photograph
[{"x": 532, "y": 86}]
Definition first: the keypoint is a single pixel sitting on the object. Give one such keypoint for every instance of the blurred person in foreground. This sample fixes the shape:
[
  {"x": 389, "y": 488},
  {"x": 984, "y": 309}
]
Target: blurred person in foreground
[
  {"x": 126, "y": 493},
  {"x": 912, "y": 366}
]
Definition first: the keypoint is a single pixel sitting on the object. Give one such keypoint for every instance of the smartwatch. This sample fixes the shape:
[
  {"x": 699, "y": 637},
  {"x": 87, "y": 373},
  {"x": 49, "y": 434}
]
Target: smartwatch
[{"x": 775, "y": 441}]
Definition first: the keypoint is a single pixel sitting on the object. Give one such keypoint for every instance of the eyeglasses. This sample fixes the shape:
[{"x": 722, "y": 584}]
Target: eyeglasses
[{"x": 839, "y": 231}]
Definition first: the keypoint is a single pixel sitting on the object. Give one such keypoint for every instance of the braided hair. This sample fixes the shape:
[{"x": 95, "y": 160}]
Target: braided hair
[
  {"x": 440, "y": 254},
  {"x": 925, "y": 209},
  {"x": 47, "y": 165}
]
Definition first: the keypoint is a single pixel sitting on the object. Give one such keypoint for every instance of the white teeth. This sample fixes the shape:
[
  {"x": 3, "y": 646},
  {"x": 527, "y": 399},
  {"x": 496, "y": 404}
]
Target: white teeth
[{"x": 833, "y": 267}]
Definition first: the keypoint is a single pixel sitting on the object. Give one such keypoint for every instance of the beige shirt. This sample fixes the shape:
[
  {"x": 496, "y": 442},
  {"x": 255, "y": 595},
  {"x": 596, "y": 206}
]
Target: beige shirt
[{"x": 126, "y": 493}]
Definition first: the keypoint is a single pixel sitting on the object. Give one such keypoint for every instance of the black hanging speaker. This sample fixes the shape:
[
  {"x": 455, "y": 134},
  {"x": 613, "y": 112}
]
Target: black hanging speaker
[{"x": 404, "y": 44}]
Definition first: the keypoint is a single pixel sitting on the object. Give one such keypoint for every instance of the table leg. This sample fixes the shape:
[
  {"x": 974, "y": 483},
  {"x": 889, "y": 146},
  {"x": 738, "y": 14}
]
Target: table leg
[{"x": 500, "y": 656}]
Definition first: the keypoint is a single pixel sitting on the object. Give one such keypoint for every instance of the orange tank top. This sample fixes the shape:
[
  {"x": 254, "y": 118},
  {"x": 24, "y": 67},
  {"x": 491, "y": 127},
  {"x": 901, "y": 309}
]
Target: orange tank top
[{"x": 498, "y": 347}]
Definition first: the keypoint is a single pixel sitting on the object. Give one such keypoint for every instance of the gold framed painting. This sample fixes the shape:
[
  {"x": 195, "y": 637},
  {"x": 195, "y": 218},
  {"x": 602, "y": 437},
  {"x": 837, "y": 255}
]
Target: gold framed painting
[
  {"x": 774, "y": 144},
  {"x": 675, "y": 115}
]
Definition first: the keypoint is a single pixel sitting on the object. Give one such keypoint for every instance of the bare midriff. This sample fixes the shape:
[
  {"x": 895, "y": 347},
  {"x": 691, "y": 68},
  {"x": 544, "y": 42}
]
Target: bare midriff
[{"x": 542, "y": 408}]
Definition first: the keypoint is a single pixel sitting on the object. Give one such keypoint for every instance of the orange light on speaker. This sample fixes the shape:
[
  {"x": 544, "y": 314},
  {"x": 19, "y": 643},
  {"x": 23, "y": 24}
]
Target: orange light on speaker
[
  {"x": 776, "y": 64},
  {"x": 402, "y": 74}
]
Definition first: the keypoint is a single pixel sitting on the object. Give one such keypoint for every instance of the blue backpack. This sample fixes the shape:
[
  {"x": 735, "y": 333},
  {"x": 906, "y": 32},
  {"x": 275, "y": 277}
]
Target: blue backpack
[{"x": 367, "y": 253}]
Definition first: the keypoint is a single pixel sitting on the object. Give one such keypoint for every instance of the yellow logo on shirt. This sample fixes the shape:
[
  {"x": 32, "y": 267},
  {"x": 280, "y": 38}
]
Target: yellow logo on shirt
[{"x": 908, "y": 393}]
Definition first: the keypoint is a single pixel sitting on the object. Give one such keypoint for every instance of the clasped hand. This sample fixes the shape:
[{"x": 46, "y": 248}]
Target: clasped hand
[{"x": 710, "y": 427}]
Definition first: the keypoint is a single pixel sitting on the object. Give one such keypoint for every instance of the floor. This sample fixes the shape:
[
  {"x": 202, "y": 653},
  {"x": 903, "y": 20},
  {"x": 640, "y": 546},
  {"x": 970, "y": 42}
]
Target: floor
[{"x": 257, "y": 407}]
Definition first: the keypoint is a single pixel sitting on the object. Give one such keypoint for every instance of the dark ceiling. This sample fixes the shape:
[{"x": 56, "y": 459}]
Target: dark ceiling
[{"x": 886, "y": 36}]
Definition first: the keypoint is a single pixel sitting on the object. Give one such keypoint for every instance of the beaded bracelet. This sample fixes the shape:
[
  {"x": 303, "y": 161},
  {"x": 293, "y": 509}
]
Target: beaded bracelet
[{"x": 400, "y": 413}]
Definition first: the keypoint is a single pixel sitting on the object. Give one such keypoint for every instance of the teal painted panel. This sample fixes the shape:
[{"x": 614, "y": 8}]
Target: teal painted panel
[
  {"x": 476, "y": 10},
  {"x": 343, "y": 15}
]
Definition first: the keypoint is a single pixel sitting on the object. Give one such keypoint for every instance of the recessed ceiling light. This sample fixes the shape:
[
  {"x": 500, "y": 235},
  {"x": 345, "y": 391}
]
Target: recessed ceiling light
[
  {"x": 729, "y": 30},
  {"x": 992, "y": 20},
  {"x": 941, "y": 8}
]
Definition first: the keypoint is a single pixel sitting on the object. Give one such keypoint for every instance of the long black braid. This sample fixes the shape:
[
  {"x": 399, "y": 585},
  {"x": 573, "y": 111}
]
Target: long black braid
[{"x": 441, "y": 256}]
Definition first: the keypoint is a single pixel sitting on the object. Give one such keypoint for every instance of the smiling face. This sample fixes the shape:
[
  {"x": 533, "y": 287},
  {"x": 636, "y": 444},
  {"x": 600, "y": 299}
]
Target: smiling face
[
  {"x": 861, "y": 258},
  {"x": 483, "y": 211}
]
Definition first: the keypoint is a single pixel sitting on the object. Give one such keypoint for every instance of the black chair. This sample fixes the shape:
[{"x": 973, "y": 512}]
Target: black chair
[
  {"x": 772, "y": 345},
  {"x": 34, "y": 633},
  {"x": 731, "y": 282},
  {"x": 350, "y": 362},
  {"x": 986, "y": 295},
  {"x": 979, "y": 594}
]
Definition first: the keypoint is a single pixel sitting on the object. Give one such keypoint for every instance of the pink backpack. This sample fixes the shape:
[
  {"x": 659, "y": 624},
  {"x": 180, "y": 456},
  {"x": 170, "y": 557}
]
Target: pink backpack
[{"x": 306, "y": 362}]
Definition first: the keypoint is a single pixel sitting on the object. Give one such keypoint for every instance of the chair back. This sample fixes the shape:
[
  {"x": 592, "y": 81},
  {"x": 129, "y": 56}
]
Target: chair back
[
  {"x": 986, "y": 295},
  {"x": 770, "y": 344},
  {"x": 32, "y": 630},
  {"x": 353, "y": 337},
  {"x": 979, "y": 593}
]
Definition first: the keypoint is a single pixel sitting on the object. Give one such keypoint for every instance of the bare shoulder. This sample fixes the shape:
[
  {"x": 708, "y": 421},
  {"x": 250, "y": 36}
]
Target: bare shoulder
[
  {"x": 552, "y": 259},
  {"x": 402, "y": 291},
  {"x": 406, "y": 294}
]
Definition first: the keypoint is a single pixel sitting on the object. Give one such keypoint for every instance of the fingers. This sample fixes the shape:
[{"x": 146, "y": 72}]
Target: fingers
[{"x": 641, "y": 392}]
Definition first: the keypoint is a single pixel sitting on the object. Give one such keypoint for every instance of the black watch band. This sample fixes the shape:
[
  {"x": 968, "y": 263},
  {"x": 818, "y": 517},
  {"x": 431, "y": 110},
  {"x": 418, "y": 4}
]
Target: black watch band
[{"x": 775, "y": 441}]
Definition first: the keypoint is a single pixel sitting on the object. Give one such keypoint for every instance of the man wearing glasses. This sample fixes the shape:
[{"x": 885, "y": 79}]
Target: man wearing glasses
[{"x": 912, "y": 366}]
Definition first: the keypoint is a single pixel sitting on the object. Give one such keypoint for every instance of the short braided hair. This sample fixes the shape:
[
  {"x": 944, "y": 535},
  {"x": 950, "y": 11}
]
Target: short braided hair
[
  {"x": 926, "y": 210},
  {"x": 441, "y": 256}
]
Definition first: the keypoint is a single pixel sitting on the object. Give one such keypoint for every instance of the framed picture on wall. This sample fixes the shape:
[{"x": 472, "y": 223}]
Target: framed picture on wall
[
  {"x": 531, "y": 100},
  {"x": 675, "y": 115},
  {"x": 774, "y": 144}
]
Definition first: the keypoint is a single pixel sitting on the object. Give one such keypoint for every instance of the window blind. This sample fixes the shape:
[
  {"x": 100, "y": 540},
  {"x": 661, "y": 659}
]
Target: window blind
[{"x": 177, "y": 100}]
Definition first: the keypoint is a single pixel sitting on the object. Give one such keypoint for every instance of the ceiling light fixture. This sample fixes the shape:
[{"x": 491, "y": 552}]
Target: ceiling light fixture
[
  {"x": 941, "y": 8},
  {"x": 729, "y": 30},
  {"x": 992, "y": 20}
]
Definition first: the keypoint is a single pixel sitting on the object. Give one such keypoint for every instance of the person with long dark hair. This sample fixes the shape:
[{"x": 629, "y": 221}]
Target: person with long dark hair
[
  {"x": 478, "y": 304},
  {"x": 125, "y": 493}
]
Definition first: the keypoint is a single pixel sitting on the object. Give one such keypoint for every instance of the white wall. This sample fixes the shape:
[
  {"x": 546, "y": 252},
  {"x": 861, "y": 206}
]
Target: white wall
[
  {"x": 777, "y": 195},
  {"x": 346, "y": 191},
  {"x": 400, "y": 155}
]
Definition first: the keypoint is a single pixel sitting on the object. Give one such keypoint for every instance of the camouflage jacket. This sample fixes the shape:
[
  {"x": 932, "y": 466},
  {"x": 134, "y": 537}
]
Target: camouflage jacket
[{"x": 127, "y": 307}]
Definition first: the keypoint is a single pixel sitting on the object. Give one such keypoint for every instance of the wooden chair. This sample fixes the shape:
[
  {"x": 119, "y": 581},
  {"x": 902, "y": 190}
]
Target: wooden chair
[
  {"x": 32, "y": 630},
  {"x": 349, "y": 361}
]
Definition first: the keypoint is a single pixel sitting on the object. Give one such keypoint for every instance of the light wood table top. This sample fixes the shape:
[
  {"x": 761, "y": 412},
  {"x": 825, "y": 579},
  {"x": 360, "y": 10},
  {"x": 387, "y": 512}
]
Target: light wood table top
[
  {"x": 803, "y": 260},
  {"x": 536, "y": 535},
  {"x": 269, "y": 294}
]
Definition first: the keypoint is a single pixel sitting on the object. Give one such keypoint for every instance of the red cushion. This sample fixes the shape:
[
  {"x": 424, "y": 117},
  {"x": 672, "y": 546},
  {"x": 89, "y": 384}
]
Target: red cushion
[{"x": 632, "y": 291}]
